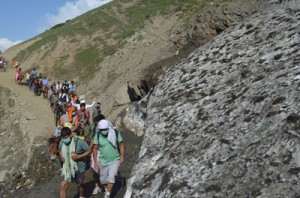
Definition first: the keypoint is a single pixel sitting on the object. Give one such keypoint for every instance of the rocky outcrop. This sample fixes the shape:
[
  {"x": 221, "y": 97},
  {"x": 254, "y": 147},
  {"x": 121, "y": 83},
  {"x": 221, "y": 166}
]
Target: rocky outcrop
[
  {"x": 131, "y": 92},
  {"x": 133, "y": 118},
  {"x": 214, "y": 20},
  {"x": 224, "y": 122}
]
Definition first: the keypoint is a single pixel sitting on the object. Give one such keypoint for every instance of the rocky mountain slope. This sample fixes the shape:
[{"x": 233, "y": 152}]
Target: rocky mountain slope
[
  {"x": 102, "y": 58},
  {"x": 213, "y": 115},
  {"x": 224, "y": 122}
]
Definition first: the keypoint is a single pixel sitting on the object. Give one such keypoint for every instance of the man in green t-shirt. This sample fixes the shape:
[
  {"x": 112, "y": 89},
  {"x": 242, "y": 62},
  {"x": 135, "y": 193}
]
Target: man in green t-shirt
[
  {"x": 72, "y": 153},
  {"x": 111, "y": 148}
]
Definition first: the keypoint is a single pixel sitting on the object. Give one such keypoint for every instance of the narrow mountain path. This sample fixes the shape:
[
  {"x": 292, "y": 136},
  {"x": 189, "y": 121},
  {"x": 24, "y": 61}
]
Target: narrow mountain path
[
  {"x": 35, "y": 109},
  {"x": 35, "y": 118}
]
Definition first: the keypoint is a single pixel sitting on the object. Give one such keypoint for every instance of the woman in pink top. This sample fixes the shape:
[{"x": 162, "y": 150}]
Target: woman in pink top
[{"x": 18, "y": 73}]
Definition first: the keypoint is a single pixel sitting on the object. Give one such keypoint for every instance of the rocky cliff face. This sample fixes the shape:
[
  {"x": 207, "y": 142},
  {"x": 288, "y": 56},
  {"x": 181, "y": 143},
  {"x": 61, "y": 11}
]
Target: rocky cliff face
[{"x": 225, "y": 121}]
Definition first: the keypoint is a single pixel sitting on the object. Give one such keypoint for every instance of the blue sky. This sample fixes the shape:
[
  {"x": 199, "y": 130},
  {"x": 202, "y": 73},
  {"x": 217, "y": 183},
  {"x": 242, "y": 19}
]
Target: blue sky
[{"x": 22, "y": 20}]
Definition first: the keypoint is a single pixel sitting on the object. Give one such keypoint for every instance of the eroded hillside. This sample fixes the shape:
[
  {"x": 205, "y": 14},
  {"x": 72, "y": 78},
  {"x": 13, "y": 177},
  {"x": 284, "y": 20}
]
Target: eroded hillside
[{"x": 126, "y": 41}]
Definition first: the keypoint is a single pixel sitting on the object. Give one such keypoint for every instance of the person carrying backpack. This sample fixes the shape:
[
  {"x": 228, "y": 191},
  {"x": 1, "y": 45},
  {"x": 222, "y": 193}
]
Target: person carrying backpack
[
  {"x": 65, "y": 88},
  {"x": 82, "y": 118},
  {"x": 83, "y": 115},
  {"x": 109, "y": 143},
  {"x": 72, "y": 153}
]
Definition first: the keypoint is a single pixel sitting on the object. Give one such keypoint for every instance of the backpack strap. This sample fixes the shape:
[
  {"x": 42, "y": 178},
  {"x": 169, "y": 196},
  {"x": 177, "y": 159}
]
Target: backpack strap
[
  {"x": 98, "y": 134},
  {"x": 76, "y": 142},
  {"x": 117, "y": 143}
]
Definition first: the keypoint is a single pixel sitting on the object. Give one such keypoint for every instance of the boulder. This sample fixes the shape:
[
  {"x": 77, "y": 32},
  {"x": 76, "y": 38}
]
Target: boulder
[
  {"x": 224, "y": 122},
  {"x": 122, "y": 95}
]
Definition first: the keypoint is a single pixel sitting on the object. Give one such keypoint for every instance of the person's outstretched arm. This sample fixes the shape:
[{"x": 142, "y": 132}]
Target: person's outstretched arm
[
  {"x": 91, "y": 105},
  {"x": 77, "y": 106}
]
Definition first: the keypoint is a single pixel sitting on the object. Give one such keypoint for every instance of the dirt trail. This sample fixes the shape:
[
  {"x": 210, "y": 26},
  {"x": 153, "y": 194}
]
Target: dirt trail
[
  {"x": 33, "y": 108},
  {"x": 35, "y": 117}
]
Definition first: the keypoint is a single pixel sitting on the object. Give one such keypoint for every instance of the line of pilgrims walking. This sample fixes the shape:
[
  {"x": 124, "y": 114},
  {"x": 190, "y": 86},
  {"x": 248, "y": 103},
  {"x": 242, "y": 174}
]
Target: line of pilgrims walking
[{"x": 79, "y": 141}]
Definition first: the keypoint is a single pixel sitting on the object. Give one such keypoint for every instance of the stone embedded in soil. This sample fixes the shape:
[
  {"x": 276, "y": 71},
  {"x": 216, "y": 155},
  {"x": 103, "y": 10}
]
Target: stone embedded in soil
[
  {"x": 29, "y": 116},
  {"x": 3, "y": 175},
  {"x": 27, "y": 183}
]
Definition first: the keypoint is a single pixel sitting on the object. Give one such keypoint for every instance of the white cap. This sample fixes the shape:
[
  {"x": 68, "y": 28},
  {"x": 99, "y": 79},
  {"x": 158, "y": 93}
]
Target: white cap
[{"x": 82, "y": 101}]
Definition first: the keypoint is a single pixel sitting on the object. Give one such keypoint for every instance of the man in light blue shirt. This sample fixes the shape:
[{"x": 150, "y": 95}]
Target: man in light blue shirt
[
  {"x": 33, "y": 72},
  {"x": 45, "y": 81},
  {"x": 72, "y": 86}
]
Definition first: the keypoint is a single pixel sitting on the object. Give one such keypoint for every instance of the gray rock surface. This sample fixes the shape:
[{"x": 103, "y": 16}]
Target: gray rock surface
[
  {"x": 122, "y": 95},
  {"x": 225, "y": 122},
  {"x": 206, "y": 25},
  {"x": 133, "y": 118}
]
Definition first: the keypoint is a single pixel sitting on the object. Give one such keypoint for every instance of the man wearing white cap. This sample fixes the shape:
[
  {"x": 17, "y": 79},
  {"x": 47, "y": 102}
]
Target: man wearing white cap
[
  {"x": 77, "y": 106},
  {"x": 111, "y": 147}
]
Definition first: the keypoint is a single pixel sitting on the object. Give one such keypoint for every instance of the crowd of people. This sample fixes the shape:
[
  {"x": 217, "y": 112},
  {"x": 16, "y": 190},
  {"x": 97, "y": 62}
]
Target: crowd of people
[{"x": 79, "y": 141}]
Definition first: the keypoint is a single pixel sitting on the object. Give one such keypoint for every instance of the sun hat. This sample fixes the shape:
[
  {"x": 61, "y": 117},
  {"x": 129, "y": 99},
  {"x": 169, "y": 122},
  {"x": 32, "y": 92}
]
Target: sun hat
[{"x": 68, "y": 124}]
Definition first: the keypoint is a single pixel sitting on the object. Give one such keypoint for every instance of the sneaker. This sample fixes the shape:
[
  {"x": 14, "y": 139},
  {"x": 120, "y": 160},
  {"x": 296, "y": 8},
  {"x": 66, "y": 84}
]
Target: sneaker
[
  {"x": 107, "y": 195},
  {"x": 102, "y": 189},
  {"x": 96, "y": 190}
]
